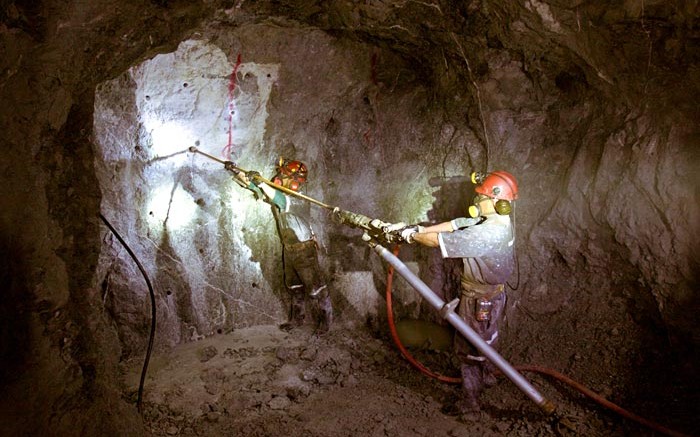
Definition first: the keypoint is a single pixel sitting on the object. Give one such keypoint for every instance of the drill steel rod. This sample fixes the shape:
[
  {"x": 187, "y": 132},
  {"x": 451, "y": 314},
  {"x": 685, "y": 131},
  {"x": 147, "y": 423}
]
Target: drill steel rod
[
  {"x": 455, "y": 320},
  {"x": 262, "y": 179}
]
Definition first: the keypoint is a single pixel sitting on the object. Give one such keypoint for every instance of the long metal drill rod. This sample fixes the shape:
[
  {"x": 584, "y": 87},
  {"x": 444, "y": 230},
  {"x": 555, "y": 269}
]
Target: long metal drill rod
[
  {"x": 455, "y": 320},
  {"x": 268, "y": 182}
]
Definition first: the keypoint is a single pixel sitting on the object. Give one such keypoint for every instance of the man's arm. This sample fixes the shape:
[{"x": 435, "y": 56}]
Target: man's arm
[
  {"x": 429, "y": 235},
  {"x": 246, "y": 182}
]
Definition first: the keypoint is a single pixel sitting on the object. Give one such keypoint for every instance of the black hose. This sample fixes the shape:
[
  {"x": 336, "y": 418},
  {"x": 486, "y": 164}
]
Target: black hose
[
  {"x": 515, "y": 254},
  {"x": 153, "y": 310}
]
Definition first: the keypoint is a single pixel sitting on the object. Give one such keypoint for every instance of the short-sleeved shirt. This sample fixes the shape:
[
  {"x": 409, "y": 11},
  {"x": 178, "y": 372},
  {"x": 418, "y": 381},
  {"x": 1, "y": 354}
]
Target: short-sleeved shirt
[{"x": 486, "y": 249}]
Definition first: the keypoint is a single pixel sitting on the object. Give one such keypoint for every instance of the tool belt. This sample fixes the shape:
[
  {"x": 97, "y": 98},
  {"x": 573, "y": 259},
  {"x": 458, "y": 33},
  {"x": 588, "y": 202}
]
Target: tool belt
[{"x": 473, "y": 290}]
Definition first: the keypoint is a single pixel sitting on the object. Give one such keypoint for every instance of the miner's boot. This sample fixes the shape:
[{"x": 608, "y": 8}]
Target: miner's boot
[
  {"x": 472, "y": 386},
  {"x": 488, "y": 373},
  {"x": 298, "y": 311},
  {"x": 326, "y": 308}
]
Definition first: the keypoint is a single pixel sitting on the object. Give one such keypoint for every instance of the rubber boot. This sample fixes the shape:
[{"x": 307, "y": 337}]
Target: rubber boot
[
  {"x": 488, "y": 374},
  {"x": 326, "y": 307},
  {"x": 298, "y": 313},
  {"x": 472, "y": 385}
]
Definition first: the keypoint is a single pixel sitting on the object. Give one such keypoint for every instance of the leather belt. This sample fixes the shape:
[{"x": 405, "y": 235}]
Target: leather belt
[{"x": 473, "y": 290}]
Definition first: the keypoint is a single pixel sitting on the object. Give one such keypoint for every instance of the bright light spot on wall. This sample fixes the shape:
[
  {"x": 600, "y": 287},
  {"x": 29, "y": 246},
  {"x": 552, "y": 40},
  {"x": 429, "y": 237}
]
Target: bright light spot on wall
[
  {"x": 168, "y": 137},
  {"x": 177, "y": 207}
]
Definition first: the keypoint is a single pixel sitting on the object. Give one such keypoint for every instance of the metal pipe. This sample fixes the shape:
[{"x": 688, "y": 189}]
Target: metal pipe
[{"x": 448, "y": 312}]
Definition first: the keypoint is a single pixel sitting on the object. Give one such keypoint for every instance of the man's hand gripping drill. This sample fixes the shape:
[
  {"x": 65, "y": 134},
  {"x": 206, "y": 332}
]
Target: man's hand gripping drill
[{"x": 375, "y": 229}]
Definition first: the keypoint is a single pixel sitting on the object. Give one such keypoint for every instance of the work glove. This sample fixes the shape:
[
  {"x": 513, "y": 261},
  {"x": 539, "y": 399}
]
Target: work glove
[
  {"x": 343, "y": 217},
  {"x": 390, "y": 232},
  {"x": 232, "y": 167},
  {"x": 401, "y": 233},
  {"x": 337, "y": 215},
  {"x": 408, "y": 233},
  {"x": 254, "y": 177},
  {"x": 392, "y": 227}
]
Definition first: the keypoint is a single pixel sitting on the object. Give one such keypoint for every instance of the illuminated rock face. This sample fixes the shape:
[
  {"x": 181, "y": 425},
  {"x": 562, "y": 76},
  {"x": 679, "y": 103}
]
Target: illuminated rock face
[
  {"x": 211, "y": 248},
  {"x": 593, "y": 109},
  {"x": 183, "y": 211}
]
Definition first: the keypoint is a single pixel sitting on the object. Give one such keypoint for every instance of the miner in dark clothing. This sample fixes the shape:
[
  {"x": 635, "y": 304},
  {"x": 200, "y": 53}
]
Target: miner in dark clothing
[
  {"x": 485, "y": 243},
  {"x": 302, "y": 273}
]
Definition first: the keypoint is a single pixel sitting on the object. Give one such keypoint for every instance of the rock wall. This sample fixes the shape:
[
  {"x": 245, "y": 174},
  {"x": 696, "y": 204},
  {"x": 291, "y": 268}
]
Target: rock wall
[
  {"x": 60, "y": 350},
  {"x": 592, "y": 107}
]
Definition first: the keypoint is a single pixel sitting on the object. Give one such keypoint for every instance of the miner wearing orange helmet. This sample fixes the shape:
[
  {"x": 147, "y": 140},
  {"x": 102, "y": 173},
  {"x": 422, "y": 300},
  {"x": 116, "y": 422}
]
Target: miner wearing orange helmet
[
  {"x": 302, "y": 273},
  {"x": 484, "y": 241}
]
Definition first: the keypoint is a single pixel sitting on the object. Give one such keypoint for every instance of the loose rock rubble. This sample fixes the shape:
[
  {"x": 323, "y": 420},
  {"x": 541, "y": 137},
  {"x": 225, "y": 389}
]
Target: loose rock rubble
[{"x": 262, "y": 381}]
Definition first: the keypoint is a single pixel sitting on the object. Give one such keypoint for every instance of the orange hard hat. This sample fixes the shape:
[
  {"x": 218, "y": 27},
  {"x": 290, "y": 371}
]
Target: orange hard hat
[
  {"x": 498, "y": 184},
  {"x": 295, "y": 170}
]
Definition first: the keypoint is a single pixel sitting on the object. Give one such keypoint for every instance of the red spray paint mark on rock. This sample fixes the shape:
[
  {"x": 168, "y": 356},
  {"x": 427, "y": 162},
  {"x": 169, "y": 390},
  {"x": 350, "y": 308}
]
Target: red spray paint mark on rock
[{"x": 226, "y": 152}]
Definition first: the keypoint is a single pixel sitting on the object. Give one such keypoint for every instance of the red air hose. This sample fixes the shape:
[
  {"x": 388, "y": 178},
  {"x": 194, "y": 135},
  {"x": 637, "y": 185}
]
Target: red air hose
[
  {"x": 545, "y": 371},
  {"x": 395, "y": 335}
]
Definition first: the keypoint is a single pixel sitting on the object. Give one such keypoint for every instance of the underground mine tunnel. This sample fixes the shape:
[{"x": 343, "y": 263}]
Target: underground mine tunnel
[{"x": 117, "y": 121}]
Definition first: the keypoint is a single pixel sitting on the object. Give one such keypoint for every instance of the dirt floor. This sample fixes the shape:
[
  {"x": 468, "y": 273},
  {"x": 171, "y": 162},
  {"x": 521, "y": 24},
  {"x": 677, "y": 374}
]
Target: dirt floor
[{"x": 263, "y": 381}]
